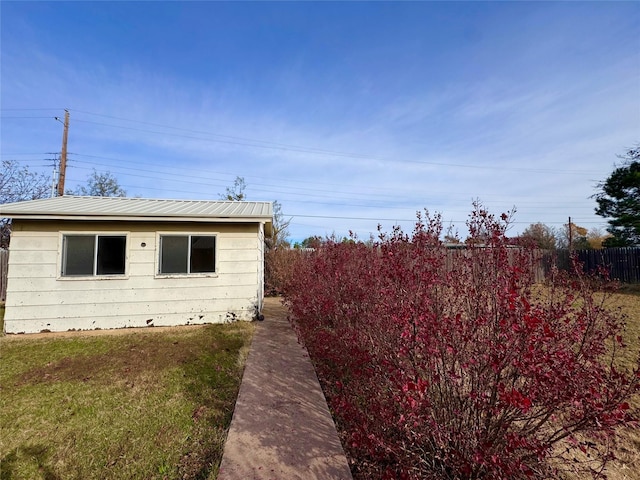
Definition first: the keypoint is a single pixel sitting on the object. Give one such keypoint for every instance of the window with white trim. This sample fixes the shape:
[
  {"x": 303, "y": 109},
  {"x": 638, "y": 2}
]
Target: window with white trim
[
  {"x": 186, "y": 254},
  {"x": 93, "y": 255}
]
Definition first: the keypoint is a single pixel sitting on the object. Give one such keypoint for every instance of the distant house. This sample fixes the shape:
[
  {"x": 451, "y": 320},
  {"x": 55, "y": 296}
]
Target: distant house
[{"x": 79, "y": 263}]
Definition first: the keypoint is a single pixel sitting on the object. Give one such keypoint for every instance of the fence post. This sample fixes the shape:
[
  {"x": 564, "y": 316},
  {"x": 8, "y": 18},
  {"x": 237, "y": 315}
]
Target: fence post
[{"x": 4, "y": 268}]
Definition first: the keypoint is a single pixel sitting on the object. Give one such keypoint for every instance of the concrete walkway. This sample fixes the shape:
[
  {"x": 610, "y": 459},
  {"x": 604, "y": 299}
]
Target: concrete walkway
[{"x": 281, "y": 427}]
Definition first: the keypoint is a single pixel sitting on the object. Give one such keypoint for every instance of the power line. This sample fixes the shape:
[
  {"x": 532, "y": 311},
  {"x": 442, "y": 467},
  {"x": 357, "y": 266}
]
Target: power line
[
  {"x": 306, "y": 193},
  {"x": 256, "y": 143},
  {"x": 294, "y": 190},
  {"x": 407, "y": 205},
  {"x": 280, "y": 187},
  {"x": 378, "y": 219},
  {"x": 265, "y": 144},
  {"x": 13, "y": 118},
  {"x": 375, "y": 190},
  {"x": 401, "y": 218},
  {"x": 233, "y": 137},
  {"x": 16, "y": 154},
  {"x": 298, "y": 191},
  {"x": 244, "y": 143},
  {"x": 371, "y": 202},
  {"x": 30, "y": 109}
]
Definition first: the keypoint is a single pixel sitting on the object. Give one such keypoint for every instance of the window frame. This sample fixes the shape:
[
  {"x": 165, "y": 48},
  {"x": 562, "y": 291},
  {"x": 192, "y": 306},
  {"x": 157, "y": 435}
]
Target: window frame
[
  {"x": 188, "y": 235},
  {"x": 62, "y": 254}
]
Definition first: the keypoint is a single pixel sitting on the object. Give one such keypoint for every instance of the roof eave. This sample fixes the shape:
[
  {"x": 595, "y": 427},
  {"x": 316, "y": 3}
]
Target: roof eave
[{"x": 141, "y": 218}]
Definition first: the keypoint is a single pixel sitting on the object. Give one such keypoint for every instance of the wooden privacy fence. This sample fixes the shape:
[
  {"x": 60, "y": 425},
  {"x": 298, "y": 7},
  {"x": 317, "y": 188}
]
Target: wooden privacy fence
[
  {"x": 623, "y": 264},
  {"x": 535, "y": 258},
  {"x": 4, "y": 267}
]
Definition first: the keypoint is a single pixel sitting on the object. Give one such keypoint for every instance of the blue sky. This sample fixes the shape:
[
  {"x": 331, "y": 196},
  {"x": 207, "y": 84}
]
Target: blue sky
[{"x": 348, "y": 114}]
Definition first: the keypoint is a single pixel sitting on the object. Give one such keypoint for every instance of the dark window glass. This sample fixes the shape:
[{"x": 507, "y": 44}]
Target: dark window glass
[
  {"x": 203, "y": 254},
  {"x": 187, "y": 254},
  {"x": 78, "y": 255},
  {"x": 80, "y": 258},
  {"x": 111, "y": 255},
  {"x": 174, "y": 254}
]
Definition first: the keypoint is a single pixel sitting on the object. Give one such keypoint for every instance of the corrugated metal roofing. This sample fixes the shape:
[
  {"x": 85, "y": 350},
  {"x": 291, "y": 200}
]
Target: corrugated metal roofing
[{"x": 138, "y": 209}]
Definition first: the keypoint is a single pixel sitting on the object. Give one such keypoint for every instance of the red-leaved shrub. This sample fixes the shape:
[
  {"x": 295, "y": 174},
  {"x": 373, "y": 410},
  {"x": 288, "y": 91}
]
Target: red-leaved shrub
[{"x": 453, "y": 364}]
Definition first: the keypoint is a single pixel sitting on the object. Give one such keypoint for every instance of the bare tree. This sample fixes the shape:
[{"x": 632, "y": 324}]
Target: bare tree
[
  {"x": 236, "y": 193},
  {"x": 18, "y": 184},
  {"x": 100, "y": 184},
  {"x": 596, "y": 237},
  {"x": 541, "y": 235},
  {"x": 573, "y": 237},
  {"x": 280, "y": 228}
]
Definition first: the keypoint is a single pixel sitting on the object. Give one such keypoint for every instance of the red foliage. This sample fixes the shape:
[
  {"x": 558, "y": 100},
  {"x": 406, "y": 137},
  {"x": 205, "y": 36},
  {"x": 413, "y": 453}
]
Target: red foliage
[{"x": 452, "y": 364}]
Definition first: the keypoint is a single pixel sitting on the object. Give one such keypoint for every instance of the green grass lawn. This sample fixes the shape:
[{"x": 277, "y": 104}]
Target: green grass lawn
[{"x": 135, "y": 405}]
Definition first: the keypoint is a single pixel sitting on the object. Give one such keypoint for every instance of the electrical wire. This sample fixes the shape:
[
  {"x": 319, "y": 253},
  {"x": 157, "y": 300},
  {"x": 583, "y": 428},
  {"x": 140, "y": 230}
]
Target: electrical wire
[
  {"x": 29, "y": 109},
  {"x": 373, "y": 200},
  {"x": 3, "y": 117},
  {"x": 255, "y": 143},
  {"x": 310, "y": 194}
]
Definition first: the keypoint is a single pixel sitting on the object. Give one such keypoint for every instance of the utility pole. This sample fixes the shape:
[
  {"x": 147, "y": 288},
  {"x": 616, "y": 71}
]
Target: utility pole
[
  {"x": 570, "y": 234},
  {"x": 53, "y": 178},
  {"x": 63, "y": 154}
]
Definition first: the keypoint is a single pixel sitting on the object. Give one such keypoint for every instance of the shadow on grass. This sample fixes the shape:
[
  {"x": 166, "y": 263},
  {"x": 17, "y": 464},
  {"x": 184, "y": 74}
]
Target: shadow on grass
[{"x": 34, "y": 453}]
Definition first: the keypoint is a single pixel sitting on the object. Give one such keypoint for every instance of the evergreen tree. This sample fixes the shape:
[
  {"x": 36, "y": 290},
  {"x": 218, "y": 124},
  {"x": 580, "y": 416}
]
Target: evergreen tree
[{"x": 619, "y": 201}]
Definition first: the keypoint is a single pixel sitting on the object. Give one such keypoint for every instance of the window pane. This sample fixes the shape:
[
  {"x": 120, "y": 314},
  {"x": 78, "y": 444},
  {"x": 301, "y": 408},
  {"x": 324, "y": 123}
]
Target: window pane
[
  {"x": 78, "y": 254},
  {"x": 203, "y": 254},
  {"x": 174, "y": 251},
  {"x": 111, "y": 255}
]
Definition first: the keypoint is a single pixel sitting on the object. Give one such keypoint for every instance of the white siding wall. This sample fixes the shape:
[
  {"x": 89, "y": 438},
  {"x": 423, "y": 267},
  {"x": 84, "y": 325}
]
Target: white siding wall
[{"x": 39, "y": 299}]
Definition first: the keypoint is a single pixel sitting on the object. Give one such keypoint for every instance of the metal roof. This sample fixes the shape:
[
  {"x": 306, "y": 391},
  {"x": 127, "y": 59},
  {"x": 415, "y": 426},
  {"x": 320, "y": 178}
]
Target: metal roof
[{"x": 140, "y": 209}]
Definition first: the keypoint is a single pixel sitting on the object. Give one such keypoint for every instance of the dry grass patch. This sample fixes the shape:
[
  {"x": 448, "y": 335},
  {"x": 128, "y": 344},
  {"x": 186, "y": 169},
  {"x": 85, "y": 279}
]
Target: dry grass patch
[
  {"x": 152, "y": 405},
  {"x": 626, "y": 302},
  {"x": 627, "y": 466}
]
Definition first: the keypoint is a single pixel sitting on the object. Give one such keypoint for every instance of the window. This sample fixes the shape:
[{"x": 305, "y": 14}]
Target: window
[
  {"x": 87, "y": 255},
  {"x": 184, "y": 254}
]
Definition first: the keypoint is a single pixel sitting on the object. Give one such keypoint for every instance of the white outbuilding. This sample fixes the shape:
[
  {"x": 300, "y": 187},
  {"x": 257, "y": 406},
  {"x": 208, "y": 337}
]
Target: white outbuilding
[{"x": 84, "y": 263}]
